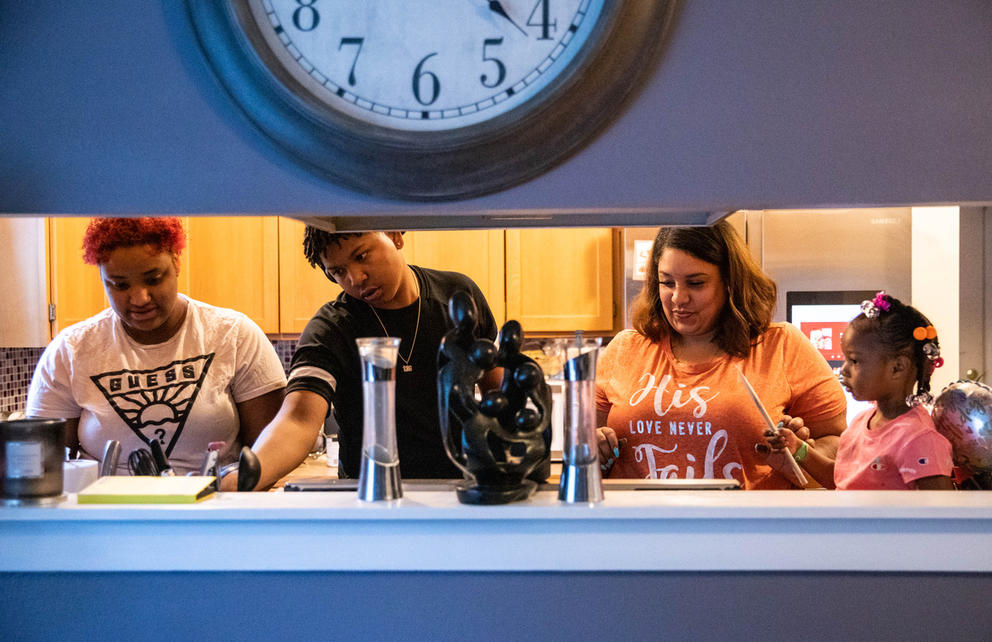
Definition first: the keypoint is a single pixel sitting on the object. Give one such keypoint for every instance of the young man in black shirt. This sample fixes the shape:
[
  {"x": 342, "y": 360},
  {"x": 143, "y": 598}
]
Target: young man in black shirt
[{"x": 383, "y": 296}]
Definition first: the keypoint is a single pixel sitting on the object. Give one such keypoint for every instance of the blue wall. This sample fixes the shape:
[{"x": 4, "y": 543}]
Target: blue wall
[
  {"x": 495, "y": 606},
  {"x": 109, "y": 107}
]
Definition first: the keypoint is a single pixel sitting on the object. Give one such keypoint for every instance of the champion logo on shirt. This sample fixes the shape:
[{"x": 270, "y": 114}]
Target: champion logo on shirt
[
  {"x": 922, "y": 461},
  {"x": 155, "y": 403},
  {"x": 877, "y": 464}
]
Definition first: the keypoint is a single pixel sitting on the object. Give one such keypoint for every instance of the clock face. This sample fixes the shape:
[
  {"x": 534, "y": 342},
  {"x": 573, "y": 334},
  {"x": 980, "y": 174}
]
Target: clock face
[
  {"x": 425, "y": 65},
  {"x": 431, "y": 100}
]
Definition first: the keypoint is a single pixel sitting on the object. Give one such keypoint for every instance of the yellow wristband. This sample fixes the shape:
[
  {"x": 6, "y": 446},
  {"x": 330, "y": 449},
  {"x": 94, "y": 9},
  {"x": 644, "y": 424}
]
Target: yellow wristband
[{"x": 800, "y": 454}]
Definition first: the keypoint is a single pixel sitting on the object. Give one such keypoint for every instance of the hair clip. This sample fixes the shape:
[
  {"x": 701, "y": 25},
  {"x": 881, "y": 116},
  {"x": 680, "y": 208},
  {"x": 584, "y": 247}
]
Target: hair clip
[
  {"x": 872, "y": 308},
  {"x": 922, "y": 399},
  {"x": 922, "y": 334}
]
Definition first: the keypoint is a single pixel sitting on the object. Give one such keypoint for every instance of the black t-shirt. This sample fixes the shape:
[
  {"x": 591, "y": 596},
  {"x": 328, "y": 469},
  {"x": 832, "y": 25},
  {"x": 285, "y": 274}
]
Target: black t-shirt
[{"x": 326, "y": 362}]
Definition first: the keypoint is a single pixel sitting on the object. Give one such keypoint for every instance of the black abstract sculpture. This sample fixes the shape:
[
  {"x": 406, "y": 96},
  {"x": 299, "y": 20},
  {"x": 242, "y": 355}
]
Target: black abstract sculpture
[{"x": 503, "y": 442}]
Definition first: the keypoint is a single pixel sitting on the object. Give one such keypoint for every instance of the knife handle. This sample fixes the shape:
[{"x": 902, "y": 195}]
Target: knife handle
[
  {"x": 249, "y": 470},
  {"x": 111, "y": 455},
  {"x": 161, "y": 462}
]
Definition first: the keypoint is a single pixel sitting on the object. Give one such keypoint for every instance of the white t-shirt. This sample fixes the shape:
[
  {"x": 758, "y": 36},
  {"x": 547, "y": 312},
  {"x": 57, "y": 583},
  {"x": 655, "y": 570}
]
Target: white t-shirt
[{"x": 183, "y": 391}]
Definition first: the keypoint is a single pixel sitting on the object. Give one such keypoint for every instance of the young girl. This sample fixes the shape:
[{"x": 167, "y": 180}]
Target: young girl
[{"x": 889, "y": 350}]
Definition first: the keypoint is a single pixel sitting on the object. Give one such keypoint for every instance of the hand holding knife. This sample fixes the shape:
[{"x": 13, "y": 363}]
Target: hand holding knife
[
  {"x": 786, "y": 465},
  {"x": 161, "y": 462}
]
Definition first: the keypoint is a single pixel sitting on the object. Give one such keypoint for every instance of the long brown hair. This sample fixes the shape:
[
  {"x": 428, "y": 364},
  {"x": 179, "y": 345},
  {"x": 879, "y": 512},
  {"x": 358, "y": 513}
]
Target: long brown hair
[{"x": 750, "y": 292}]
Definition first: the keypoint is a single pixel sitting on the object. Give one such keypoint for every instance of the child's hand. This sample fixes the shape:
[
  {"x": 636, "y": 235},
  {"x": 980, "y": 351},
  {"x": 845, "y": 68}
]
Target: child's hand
[
  {"x": 790, "y": 435},
  {"x": 796, "y": 425}
]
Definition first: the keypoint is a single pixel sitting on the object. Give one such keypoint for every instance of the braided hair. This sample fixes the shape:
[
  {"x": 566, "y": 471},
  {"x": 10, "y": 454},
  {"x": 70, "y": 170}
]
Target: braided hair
[
  {"x": 316, "y": 240},
  {"x": 903, "y": 330}
]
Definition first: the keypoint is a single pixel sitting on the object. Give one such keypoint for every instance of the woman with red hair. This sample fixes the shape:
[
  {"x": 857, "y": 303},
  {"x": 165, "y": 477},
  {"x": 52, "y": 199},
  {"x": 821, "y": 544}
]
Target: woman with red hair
[{"x": 156, "y": 364}]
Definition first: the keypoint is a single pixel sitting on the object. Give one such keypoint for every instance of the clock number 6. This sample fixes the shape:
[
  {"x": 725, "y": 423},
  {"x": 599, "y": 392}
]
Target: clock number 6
[
  {"x": 500, "y": 67},
  {"x": 352, "y": 42},
  {"x": 311, "y": 13},
  {"x": 418, "y": 78}
]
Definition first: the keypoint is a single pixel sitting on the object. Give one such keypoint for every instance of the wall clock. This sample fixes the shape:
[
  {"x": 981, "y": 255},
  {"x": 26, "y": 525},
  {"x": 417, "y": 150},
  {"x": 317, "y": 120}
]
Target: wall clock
[{"x": 431, "y": 99}]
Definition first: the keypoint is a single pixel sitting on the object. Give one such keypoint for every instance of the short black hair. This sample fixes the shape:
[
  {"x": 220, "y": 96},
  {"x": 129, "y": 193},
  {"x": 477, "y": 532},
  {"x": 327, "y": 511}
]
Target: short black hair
[{"x": 316, "y": 240}]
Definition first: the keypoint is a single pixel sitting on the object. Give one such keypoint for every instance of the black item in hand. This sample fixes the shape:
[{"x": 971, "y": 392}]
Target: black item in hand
[
  {"x": 141, "y": 463},
  {"x": 249, "y": 470},
  {"x": 504, "y": 441},
  {"x": 161, "y": 462}
]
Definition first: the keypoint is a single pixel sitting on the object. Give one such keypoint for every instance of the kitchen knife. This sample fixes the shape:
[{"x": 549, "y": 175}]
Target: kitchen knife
[
  {"x": 161, "y": 462},
  {"x": 209, "y": 466},
  {"x": 111, "y": 455},
  {"x": 249, "y": 470},
  {"x": 793, "y": 471}
]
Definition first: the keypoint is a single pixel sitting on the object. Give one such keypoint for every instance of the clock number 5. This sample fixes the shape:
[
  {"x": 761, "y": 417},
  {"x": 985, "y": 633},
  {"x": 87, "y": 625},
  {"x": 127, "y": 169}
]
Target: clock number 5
[
  {"x": 306, "y": 10},
  {"x": 354, "y": 42},
  {"x": 500, "y": 67},
  {"x": 418, "y": 78}
]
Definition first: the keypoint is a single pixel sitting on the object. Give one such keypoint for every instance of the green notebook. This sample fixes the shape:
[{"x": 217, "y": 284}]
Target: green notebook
[{"x": 147, "y": 490}]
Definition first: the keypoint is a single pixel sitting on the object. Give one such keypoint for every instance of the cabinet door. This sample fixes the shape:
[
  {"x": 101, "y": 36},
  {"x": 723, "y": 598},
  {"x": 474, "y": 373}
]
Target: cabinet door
[
  {"x": 302, "y": 288},
  {"x": 24, "y": 282},
  {"x": 233, "y": 262},
  {"x": 477, "y": 254},
  {"x": 76, "y": 289},
  {"x": 560, "y": 280}
]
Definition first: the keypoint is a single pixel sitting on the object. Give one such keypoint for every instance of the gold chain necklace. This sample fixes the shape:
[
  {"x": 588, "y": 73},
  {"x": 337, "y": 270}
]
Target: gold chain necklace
[{"x": 413, "y": 344}]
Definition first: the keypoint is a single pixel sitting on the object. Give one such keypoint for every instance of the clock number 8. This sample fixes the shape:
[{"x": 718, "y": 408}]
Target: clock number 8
[
  {"x": 311, "y": 13},
  {"x": 418, "y": 77}
]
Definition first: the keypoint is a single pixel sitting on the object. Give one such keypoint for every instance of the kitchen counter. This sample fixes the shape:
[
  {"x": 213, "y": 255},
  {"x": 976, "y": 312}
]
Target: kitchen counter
[{"x": 431, "y": 531}]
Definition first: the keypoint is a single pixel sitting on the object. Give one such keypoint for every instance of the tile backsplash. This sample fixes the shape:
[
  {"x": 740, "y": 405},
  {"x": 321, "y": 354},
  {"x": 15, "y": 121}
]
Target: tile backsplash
[{"x": 17, "y": 366}]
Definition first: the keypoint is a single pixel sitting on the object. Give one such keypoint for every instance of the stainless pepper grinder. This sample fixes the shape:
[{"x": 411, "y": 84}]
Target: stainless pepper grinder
[
  {"x": 379, "y": 478},
  {"x": 581, "y": 480}
]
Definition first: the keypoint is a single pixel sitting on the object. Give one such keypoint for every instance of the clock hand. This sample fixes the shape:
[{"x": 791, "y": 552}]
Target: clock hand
[{"x": 497, "y": 7}]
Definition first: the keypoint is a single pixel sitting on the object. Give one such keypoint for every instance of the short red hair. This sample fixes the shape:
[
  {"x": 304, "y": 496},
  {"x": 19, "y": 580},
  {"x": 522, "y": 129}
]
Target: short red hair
[{"x": 104, "y": 235}]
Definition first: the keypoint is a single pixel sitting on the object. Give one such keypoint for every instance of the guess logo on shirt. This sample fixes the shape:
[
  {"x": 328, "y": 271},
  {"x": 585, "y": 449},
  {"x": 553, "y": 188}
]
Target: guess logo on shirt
[{"x": 155, "y": 403}]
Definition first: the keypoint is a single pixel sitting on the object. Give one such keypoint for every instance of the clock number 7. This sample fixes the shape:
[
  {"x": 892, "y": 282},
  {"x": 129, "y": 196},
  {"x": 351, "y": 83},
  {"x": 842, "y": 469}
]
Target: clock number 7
[
  {"x": 354, "y": 42},
  {"x": 500, "y": 67},
  {"x": 544, "y": 22}
]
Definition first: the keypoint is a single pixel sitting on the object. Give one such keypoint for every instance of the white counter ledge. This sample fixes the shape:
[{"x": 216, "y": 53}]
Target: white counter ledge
[{"x": 432, "y": 531}]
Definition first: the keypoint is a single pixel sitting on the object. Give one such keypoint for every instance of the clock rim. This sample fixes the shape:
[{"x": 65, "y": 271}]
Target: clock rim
[{"x": 436, "y": 165}]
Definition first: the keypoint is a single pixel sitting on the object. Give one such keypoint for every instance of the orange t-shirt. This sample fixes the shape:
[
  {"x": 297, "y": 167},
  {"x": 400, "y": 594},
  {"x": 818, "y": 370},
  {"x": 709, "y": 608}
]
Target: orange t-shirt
[{"x": 695, "y": 421}]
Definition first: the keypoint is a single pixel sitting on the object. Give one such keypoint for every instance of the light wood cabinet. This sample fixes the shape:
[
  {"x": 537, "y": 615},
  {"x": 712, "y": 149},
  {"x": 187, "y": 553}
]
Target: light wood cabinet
[
  {"x": 76, "y": 288},
  {"x": 23, "y": 283},
  {"x": 560, "y": 280},
  {"x": 230, "y": 262},
  {"x": 551, "y": 280},
  {"x": 302, "y": 288},
  {"x": 478, "y": 254},
  {"x": 233, "y": 262}
]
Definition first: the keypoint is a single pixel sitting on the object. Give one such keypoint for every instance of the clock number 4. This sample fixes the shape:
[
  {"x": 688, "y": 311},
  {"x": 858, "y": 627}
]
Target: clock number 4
[{"x": 540, "y": 16}]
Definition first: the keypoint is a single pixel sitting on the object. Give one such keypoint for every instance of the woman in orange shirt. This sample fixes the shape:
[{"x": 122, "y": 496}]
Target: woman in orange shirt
[{"x": 670, "y": 400}]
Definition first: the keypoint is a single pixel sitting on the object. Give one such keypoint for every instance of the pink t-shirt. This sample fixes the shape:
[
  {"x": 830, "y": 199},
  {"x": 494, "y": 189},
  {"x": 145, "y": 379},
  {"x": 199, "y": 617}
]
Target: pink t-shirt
[
  {"x": 893, "y": 456},
  {"x": 694, "y": 421}
]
